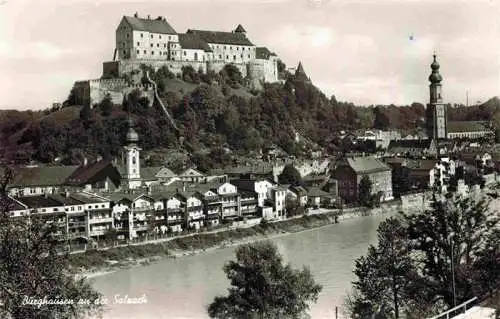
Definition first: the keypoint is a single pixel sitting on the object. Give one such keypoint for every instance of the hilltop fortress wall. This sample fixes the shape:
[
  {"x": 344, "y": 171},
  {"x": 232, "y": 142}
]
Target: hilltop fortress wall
[{"x": 91, "y": 92}]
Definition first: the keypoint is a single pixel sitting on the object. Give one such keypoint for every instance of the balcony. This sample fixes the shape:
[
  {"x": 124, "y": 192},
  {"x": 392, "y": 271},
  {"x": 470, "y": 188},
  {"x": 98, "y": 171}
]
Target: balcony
[
  {"x": 212, "y": 200},
  {"x": 194, "y": 208},
  {"x": 77, "y": 224},
  {"x": 107, "y": 219},
  {"x": 140, "y": 227},
  {"x": 248, "y": 201},
  {"x": 143, "y": 209},
  {"x": 98, "y": 232},
  {"x": 229, "y": 204},
  {"x": 174, "y": 221},
  {"x": 174, "y": 209}
]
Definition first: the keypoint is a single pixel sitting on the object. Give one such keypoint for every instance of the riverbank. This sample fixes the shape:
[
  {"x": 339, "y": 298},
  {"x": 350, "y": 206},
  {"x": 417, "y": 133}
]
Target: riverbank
[{"x": 95, "y": 263}]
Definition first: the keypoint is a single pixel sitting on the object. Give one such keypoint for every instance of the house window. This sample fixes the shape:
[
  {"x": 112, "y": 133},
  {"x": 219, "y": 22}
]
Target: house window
[
  {"x": 79, "y": 207},
  {"x": 152, "y": 44},
  {"x": 152, "y": 52},
  {"x": 137, "y": 51},
  {"x": 157, "y": 45},
  {"x": 227, "y": 57},
  {"x": 142, "y": 35},
  {"x": 144, "y": 51},
  {"x": 220, "y": 56},
  {"x": 138, "y": 44},
  {"x": 165, "y": 45},
  {"x": 168, "y": 38},
  {"x": 72, "y": 209},
  {"x": 234, "y": 57},
  {"x": 128, "y": 35},
  {"x": 151, "y": 36},
  {"x": 242, "y": 56},
  {"x": 160, "y": 36},
  {"x": 237, "y": 48},
  {"x": 184, "y": 53},
  {"x": 225, "y": 47},
  {"x": 249, "y": 56}
]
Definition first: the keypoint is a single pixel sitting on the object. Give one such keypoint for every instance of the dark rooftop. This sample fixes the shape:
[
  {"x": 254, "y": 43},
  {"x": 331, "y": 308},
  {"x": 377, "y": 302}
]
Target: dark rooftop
[
  {"x": 193, "y": 42},
  {"x": 234, "y": 38},
  {"x": 41, "y": 175},
  {"x": 158, "y": 25}
]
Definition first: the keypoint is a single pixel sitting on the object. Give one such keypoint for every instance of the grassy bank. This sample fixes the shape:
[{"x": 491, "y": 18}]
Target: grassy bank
[{"x": 112, "y": 259}]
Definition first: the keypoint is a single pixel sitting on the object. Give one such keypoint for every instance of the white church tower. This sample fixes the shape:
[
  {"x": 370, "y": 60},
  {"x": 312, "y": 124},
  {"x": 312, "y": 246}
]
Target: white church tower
[{"x": 132, "y": 178}]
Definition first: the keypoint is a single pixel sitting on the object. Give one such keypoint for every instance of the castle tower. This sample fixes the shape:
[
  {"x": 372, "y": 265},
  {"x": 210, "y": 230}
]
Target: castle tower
[
  {"x": 240, "y": 29},
  {"x": 436, "y": 110},
  {"x": 132, "y": 160},
  {"x": 300, "y": 74}
]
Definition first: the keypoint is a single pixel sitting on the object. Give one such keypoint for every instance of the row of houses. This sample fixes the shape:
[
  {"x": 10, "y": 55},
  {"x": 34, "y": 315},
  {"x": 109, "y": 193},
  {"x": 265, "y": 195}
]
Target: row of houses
[{"x": 161, "y": 209}]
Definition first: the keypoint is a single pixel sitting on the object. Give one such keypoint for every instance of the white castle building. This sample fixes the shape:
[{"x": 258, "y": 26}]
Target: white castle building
[{"x": 154, "y": 42}]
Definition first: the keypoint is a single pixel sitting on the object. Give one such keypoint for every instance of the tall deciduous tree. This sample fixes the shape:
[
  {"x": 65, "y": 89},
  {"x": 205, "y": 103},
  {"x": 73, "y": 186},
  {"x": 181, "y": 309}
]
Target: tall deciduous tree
[
  {"x": 33, "y": 269},
  {"x": 451, "y": 239},
  {"x": 264, "y": 287},
  {"x": 384, "y": 274},
  {"x": 365, "y": 191}
]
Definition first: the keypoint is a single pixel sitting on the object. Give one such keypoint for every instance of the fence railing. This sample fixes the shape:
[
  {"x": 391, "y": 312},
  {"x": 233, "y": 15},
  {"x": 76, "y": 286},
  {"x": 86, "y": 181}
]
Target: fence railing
[{"x": 453, "y": 311}]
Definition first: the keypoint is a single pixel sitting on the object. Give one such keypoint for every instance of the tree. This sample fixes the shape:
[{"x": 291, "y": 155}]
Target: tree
[
  {"x": 290, "y": 175},
  {"x": 383, "y": 275},
  {"x": 33, "y": 266},
  {"x": 365, "y": 191},
  {"x": 106, "y": 105},
  {"x": 264, "y": 287},
  {"x": 455, "y": 239}
]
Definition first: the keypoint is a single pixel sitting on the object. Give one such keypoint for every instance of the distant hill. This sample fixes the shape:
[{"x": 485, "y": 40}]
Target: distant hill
[{"x": 218, "y": 119}]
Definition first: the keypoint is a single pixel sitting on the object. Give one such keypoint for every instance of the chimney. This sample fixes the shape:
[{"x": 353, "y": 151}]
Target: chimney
[
  {"x": 84, "y": 161},
  {"x": 183, "y": 187},
  {"x": 66, "y": 193},
  {"x": 149, "y": 17},
  {"x": 136, "y": 15},
  {"x": 99, "y": 158},
  {"x": 160, "y": 18}
]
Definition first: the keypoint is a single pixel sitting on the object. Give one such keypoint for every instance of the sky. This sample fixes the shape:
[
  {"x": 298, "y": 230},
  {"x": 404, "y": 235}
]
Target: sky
[{"x": 362, "y": 51}]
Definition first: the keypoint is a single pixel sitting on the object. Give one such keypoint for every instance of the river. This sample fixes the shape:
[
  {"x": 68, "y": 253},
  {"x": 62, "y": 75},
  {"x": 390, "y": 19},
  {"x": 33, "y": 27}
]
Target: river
[{"x": 183, "y": 287}]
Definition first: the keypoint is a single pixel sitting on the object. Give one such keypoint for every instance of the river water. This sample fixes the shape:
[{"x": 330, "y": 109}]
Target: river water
[{"x": 183, "y": 287}]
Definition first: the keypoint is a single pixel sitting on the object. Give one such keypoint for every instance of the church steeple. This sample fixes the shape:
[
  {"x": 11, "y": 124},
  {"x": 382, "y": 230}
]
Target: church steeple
[
  {"x": 132, "y": 176},
  {"x": 436, "y": 110}
]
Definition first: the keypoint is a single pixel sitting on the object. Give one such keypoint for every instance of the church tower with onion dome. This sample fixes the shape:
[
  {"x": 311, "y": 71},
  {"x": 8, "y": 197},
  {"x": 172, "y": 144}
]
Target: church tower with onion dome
[
  {"x": 436, "y": 110},
  {"x": 132, "y": 170}
]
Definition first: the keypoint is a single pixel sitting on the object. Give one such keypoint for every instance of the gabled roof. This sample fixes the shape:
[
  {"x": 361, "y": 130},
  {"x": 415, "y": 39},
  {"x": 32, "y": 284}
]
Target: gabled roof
[
  {"x": 165, "y": 172},
  {"x": 421, "y": 144},
  {"x": 12, "y": 204},
  {"x": 94, "y": 172},
  {"x": 191, "y": 172},
  {"x": 466, "y": 126},
  {"x": 240, "y": 28},
  {"x": 365, "y": 165},
  {"x": 425, "y": 165},
  {"x": 149, "y": 173},
  {"x": 316, "y": 192},
  {"x": 41, "y": 176},
  {"x": 155, "y": 26},
  {"x": 39, "y": 201},
  {"x": 299, "y": 190},
  {"x": 193, "y": 42},
  {"x": 220, "y": 37}
]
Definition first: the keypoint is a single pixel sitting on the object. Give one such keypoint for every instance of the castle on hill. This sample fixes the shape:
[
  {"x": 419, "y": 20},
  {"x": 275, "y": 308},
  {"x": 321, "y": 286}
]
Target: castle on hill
[{"x": 154, "y": 42}]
